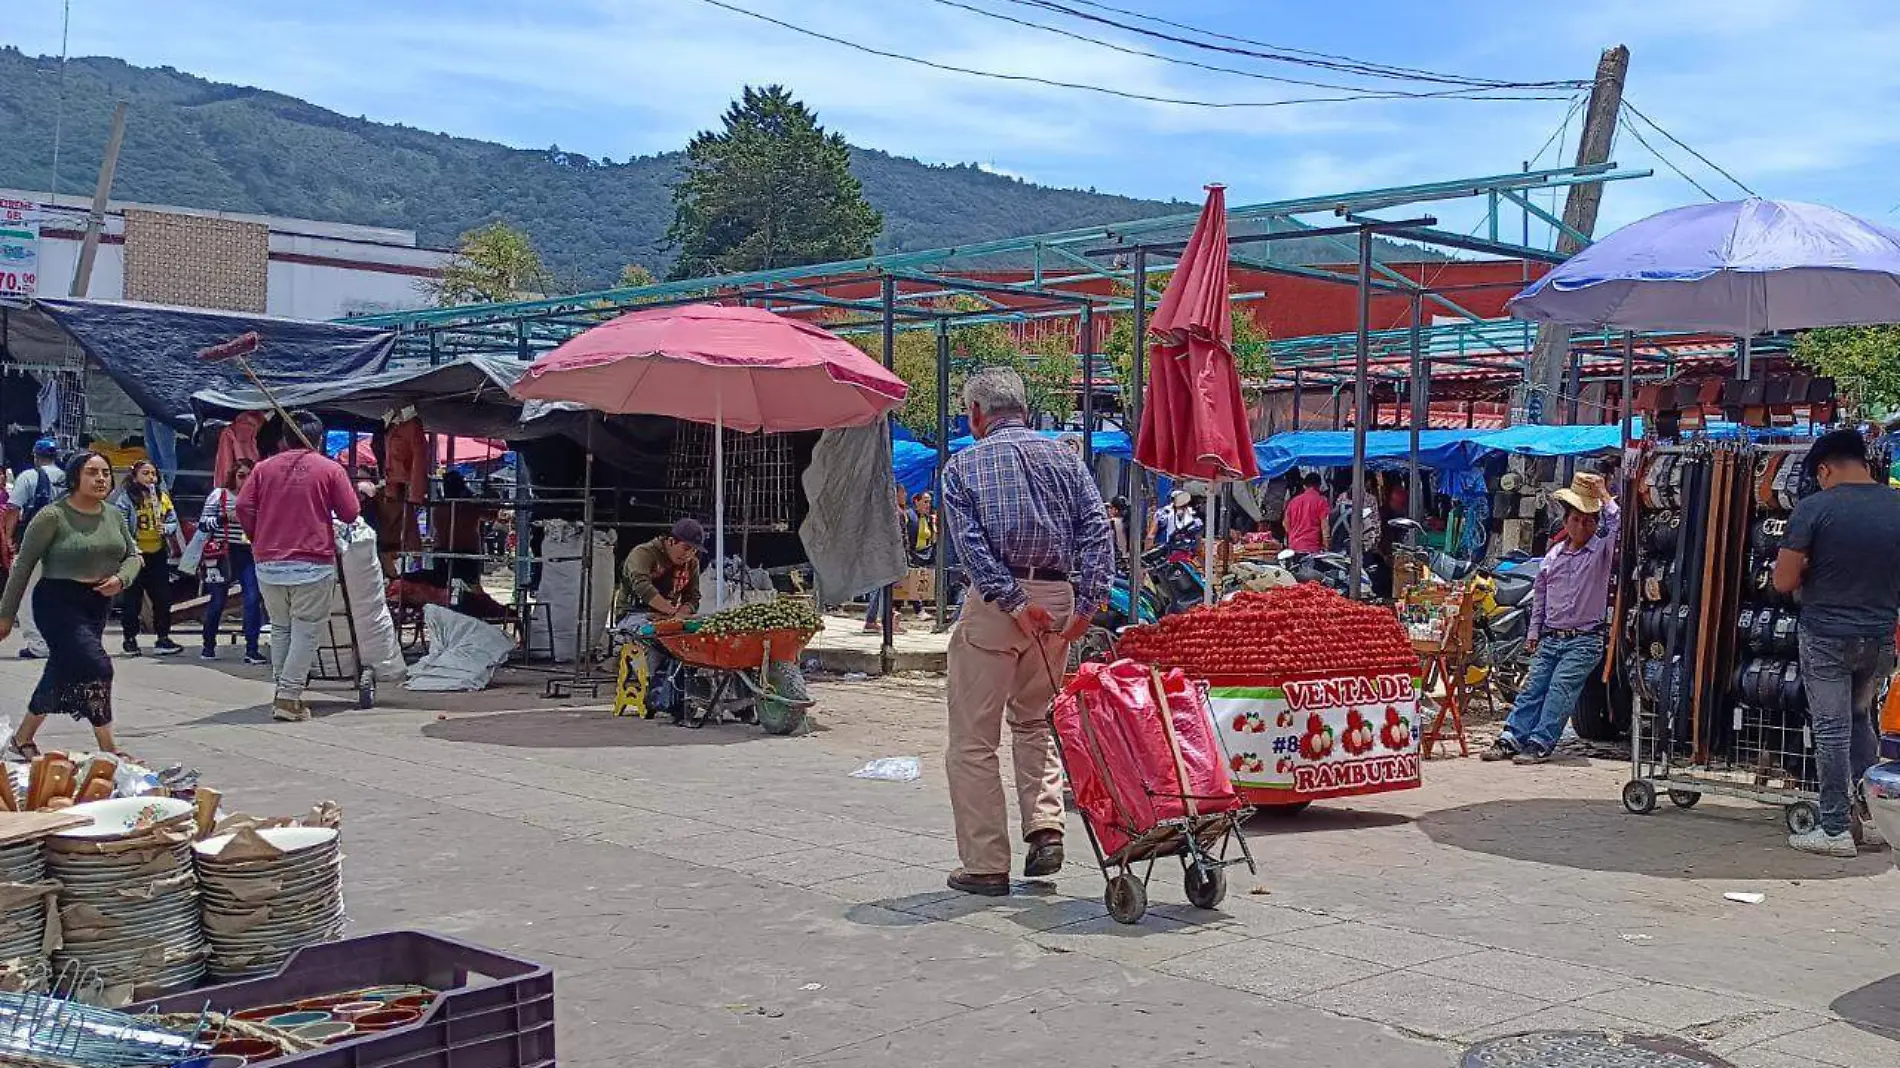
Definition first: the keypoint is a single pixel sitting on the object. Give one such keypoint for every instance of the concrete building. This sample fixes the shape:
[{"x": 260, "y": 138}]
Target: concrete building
[{"x": 299, "y": 268}]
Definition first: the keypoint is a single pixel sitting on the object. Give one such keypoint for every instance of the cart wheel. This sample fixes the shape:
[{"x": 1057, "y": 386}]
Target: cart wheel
[
  {"x": 1684, "y": 798},
  {"x": 366, "y": 690},
  {"x": 1802, "y": 817},
  {"x": 779, "y": 717},
  {"x": 1639, "y": 797},
  {"x": 1206, "y": 885},
  {"x": 1126, "y": 898}
]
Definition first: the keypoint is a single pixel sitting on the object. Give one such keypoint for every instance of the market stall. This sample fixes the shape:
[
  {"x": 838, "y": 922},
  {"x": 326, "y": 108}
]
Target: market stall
[{"x": 1315, "y": 696}]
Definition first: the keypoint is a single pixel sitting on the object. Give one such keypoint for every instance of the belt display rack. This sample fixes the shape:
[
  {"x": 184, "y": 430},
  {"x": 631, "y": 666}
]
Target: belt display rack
[{"x": 1712, "y": 658}]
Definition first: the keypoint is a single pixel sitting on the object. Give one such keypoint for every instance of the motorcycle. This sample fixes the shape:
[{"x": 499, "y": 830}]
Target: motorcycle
[
  {"x": 1168, "y": 586},
  {"x": 1500, "y": 634}
]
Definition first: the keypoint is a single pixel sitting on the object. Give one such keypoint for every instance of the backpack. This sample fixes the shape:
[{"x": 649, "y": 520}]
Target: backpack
[{"x": 43, "y": 489}]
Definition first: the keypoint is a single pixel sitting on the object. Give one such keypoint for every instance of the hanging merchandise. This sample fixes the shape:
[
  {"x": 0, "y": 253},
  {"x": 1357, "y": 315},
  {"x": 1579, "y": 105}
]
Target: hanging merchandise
[
  {"x": 1713, "y": 653},
  {"x": 407, "y": 449},
  {"x": 49, "y": 405},
  {"x": 563, "y": 576},
  {"x": 363, "y": 579},
  {"x": 236, "y": 442}
]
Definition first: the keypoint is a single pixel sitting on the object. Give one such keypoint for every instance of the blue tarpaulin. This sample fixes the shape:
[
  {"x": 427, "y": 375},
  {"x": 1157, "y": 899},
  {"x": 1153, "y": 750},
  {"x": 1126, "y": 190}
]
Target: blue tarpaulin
[
  {"x": 1442, "y": 449},
  {"x": 1533, "y": 440}
]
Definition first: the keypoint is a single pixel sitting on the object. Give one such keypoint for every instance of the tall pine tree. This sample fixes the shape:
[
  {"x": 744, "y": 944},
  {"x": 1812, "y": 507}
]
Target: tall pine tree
[{"x": 770, "y": 189}]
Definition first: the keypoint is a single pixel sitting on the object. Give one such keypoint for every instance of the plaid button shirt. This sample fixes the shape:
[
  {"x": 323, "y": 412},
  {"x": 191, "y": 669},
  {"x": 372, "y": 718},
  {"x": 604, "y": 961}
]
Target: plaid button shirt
[{"x": 1018, "y": 499}]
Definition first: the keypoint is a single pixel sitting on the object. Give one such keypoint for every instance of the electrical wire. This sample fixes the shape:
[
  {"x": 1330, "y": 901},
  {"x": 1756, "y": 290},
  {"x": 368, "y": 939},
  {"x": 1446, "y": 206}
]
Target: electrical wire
[
  {"x": 1342, "y": 64},
  {"x": 1453, "y": 94},
  {"x": 1665, "y": 160},
  {"x": 1562, "y": 130},
  {"x": 1145, "y": 54},
  {"x": 1739, "y": 184}
]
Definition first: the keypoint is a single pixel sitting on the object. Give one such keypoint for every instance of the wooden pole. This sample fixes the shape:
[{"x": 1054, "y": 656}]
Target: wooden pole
[{"x": 96, "y": 218}]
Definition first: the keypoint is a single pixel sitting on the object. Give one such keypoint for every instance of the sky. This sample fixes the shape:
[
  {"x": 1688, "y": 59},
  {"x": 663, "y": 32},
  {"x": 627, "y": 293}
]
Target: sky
[{"x": 1795, "y": 99}]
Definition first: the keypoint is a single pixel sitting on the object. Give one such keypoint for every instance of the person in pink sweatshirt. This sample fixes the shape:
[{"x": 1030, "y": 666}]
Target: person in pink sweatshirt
[{"x": 287, "y": 505}]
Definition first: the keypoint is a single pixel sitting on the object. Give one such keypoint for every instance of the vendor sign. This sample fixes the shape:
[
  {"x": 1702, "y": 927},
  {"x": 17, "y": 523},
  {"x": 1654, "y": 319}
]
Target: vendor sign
[
  {"x": 1319, "y": 738},
  {"x": 19, "y": 248}
]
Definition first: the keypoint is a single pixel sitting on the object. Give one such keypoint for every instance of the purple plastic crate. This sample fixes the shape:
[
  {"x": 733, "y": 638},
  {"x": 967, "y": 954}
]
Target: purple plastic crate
[{"x": 507, "y": 1021}]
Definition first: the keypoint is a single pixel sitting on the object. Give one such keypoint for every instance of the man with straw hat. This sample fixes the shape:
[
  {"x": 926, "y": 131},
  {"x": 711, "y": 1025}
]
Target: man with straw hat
[{"x": 1570, "y": 602}]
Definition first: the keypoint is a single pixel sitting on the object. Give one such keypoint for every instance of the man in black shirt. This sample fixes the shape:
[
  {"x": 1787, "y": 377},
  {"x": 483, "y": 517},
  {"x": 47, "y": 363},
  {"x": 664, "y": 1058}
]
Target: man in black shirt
[{"x": 1840, "y": 552}]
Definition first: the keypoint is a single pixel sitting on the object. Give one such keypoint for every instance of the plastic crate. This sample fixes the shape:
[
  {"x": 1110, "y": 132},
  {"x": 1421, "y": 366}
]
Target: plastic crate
[{"x": 507, "y": 1021}]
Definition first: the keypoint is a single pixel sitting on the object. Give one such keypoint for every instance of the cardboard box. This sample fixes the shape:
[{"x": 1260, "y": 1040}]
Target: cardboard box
[{"x": 919, "y": 584}]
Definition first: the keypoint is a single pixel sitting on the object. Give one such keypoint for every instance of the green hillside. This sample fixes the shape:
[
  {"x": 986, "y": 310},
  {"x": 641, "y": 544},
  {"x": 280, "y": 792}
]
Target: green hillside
[{"x": 196, "y": 143}]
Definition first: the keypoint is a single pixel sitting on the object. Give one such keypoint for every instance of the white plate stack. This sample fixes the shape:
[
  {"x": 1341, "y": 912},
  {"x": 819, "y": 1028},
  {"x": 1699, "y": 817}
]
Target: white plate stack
[
  {"x": 128, "y": 899},
  {"x": 23, "y": 916},
  {"x": 268, "y": 893}
]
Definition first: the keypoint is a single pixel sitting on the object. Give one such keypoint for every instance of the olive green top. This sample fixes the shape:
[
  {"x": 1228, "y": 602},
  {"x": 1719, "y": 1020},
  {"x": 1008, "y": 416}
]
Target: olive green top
[{"x": 66, "y": 543}]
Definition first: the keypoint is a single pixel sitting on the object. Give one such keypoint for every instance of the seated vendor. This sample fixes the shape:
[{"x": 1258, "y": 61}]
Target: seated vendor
[{"x": 662, "y": 576}]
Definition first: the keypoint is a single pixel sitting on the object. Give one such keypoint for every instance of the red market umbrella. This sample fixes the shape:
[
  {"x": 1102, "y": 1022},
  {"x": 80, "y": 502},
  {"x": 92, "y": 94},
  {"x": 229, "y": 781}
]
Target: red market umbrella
[
  {"x": 745, "y": 368},
  {"x": 466, "y": 450},
  {"x": 738, "y": 367},
  {"x": 1194, "y": 424}
]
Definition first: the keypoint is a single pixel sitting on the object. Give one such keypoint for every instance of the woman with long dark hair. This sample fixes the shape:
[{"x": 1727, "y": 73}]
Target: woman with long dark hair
[
  {"x": 153, "y": 524},
  {"x": 86, "y": 557},
  {"x": 228, "y": 556}
]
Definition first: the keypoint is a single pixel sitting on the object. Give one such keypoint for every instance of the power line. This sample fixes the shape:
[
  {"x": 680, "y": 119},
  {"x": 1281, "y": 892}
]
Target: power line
[
  {"x": 1665, "y": 160},
  {"x": 1562, "y": 130},
  {"x": 1342, "y": 64},
  {"x": 1162, "y": 56},
  {"x": 1453, "y": 94},
  {"x": 1678, "y": 142}
]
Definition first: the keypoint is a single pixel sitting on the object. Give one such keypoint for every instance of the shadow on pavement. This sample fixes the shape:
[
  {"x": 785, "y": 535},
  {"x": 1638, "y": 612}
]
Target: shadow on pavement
[
  {"x": 570, "y": 728},
  {"x": 1714, "y": 842},
  {"x": 1874, "y": 1008},
  {"x": 1271, "y": 820}
]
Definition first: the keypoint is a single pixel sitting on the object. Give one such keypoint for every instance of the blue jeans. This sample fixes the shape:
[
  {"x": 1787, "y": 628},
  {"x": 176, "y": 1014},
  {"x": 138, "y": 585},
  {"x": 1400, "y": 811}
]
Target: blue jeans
[
  {"x": 1842, "y": 677},
  {"x": 1558, "y": 672},
  {"x": 238, "y": 565}
]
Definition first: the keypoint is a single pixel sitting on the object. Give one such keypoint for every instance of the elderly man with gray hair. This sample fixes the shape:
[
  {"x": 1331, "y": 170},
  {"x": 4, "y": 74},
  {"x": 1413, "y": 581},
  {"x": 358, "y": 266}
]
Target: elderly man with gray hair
[{"x": 1031, "y": 531}]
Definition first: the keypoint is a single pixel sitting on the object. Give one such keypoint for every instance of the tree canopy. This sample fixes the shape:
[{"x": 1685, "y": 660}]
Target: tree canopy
[
  {"x": 492, "y": 264},
  {"x": 1864, "y": 362},
  {"x": 769, "y": 189}
]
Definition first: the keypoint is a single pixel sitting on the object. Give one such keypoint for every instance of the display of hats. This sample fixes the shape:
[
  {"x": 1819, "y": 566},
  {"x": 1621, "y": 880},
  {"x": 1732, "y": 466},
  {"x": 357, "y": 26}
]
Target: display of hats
[
  {"x": 128, "y": 897},
  {"x": 267, "y": 893},
  {"x": 23, "y": 902}
]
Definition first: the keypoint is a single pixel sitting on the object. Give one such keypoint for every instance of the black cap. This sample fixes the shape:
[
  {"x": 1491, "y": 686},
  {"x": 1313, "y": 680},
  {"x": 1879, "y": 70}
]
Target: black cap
[{"x": 690, "y": 532}]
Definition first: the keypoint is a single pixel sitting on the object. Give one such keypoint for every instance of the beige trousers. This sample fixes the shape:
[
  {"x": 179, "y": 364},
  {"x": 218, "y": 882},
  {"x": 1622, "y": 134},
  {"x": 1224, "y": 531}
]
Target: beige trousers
[{"x": 998, "y": 675}]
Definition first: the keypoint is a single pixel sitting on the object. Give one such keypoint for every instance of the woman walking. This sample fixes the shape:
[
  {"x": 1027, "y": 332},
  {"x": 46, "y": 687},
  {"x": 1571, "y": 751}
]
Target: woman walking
[
  {"x": 153, "y": 524},
  {"x": 86, "y": 557},
  {"x": 227, "y": 556}
]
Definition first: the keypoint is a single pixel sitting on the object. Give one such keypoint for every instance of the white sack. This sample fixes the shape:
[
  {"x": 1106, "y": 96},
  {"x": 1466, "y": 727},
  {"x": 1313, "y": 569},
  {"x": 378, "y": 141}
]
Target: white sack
[
  {"x": 463, "y": 652},
  {"x": 375, "y": 629},
  {"x": 561, "y": 584}
]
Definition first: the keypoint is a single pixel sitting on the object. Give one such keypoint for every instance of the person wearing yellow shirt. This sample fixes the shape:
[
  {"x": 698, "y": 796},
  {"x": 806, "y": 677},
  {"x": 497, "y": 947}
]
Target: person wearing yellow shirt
[{"x": 153, "y": 523}]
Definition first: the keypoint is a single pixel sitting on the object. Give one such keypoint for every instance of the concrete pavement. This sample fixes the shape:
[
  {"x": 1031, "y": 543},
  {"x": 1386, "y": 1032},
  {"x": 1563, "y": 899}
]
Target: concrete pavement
[{"x": 721, "y": 897}]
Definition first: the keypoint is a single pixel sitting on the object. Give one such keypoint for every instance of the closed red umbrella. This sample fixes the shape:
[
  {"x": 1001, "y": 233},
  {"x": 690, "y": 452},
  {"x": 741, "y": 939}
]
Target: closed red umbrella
[{"x": 1193, "y": 423}]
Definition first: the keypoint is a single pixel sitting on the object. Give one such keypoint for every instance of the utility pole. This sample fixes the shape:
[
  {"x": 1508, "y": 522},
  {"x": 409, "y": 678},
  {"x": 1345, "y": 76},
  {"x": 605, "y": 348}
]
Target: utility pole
[
  {"x": 96, "y": 220},
  {"x": 1544, "y": 373}
]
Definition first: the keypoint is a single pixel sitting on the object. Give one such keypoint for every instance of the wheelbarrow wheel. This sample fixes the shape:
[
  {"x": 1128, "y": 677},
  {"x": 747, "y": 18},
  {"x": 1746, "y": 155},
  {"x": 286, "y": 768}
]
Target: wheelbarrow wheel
[
  {"x": 1126, "y": 898},
  {"x": 1206, "y": 885},
  {"x": 778, "y": 716}
]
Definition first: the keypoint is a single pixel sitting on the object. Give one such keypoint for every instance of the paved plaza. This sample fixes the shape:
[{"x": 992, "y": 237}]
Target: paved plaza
[{"x": 720, "y": 897}]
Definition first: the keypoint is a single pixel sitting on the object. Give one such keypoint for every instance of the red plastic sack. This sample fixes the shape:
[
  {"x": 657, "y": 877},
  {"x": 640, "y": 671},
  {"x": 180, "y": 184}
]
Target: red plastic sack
[{"x": 1120, "y": 760}]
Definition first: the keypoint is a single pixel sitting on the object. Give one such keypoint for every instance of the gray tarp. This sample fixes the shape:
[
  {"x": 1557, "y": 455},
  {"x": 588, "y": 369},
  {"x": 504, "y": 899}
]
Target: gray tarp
[
  {"x": 851, "y": 532},
  {"x": 151, "y": 350},
  {"x": 468, "y": 396}
]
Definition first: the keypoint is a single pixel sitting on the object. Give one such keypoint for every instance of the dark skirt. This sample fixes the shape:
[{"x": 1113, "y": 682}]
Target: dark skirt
[{"x": 78, "y": 675}]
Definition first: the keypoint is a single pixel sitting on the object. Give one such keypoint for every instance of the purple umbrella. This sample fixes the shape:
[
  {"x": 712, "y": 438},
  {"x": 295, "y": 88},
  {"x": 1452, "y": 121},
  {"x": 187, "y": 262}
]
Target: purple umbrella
[{"x": 1744, "y": 267}]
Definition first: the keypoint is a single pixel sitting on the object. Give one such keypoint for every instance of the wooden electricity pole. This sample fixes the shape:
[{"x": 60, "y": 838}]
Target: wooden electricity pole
[
  {"x": 1544, "y": 373},
  {"x": 96, "y": 220}
]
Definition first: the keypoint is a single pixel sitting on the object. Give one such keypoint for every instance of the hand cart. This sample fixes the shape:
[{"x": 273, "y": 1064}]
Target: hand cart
[
  {"x": 1205, "y": 842},
  {"x": 751, "y": 676}
]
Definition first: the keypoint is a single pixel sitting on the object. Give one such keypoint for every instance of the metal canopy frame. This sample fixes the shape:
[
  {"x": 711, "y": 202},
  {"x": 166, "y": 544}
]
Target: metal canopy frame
[{"x": 908, "y": 291}]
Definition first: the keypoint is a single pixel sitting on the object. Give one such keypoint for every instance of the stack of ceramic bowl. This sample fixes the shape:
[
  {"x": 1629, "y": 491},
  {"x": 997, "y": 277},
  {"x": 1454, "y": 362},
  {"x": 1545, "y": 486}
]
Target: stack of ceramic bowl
[
  {"x": 267, "y": 894},
  {"x": 23, "y": 923},
  {"x": 128, "y": 900}
]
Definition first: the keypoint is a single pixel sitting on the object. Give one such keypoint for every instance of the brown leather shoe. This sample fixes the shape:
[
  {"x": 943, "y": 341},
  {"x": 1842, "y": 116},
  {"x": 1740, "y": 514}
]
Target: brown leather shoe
[
  {"x": 1045, "y": 854},
  {"x": 985, "y": 885}
]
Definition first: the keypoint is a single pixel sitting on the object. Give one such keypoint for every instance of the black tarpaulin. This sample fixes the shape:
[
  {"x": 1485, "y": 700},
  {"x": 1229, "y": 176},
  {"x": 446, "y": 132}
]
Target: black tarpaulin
[{"x": 151, "y": 350}]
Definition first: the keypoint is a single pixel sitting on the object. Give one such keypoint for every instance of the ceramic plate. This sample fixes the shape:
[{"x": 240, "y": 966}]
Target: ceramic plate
[
  {"x": 288, "y": 839},
  {"x": 124, "y": 815}
]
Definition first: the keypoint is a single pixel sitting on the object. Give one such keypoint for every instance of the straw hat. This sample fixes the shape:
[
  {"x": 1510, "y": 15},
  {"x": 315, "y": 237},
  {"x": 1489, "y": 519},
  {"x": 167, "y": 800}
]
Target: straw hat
[{"x": 1586, "y": 494}]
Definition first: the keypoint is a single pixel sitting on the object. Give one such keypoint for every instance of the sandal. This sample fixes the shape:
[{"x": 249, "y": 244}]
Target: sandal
[{"x": 27, "y": 752}]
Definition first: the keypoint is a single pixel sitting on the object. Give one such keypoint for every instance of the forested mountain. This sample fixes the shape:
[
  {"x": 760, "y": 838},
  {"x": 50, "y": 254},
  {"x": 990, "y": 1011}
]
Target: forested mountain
[{"x": 196, "y": 143}]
